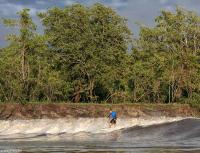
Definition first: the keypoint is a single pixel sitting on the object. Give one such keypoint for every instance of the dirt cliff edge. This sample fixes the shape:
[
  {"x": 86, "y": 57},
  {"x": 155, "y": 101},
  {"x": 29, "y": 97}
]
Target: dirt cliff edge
[{"x": 65, "y": 110}]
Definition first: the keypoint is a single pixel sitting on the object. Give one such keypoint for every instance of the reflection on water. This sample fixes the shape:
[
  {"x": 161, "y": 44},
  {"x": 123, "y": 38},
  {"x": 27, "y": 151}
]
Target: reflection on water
[
  {"x": 86, "y": 147},
  {"x": 130, "y": 151}
]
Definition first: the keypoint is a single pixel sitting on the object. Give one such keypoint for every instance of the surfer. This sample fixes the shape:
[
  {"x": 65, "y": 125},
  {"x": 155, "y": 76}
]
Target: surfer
[{"x": 113, "y": 117}]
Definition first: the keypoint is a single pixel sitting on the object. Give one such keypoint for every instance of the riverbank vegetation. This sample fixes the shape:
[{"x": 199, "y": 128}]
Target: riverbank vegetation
[{"x": 90, "y": 54}]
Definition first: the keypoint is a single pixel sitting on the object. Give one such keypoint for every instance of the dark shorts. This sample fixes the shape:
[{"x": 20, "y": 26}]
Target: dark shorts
[{"x": 113, "y": 121}]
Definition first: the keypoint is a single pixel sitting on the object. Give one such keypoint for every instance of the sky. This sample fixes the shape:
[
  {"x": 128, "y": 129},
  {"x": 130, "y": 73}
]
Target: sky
[{"x": 136, "y": 11}]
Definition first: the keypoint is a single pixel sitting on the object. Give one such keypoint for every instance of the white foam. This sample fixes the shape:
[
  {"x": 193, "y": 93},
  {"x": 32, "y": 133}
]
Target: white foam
[{"x": 92, "y": 125}]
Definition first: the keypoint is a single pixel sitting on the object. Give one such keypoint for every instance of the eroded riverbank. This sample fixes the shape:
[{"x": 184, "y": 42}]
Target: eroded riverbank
[{"x": 65, "y": 110}]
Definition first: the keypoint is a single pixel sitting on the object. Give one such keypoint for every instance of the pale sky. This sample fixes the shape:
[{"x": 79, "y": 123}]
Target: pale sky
[{"x": 142, "y": 11}]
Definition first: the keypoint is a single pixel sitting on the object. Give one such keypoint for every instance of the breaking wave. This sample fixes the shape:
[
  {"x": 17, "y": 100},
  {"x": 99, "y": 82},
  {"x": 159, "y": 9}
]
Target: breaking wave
[
  {"x": 73, "y": 125},
  {"x": 90, "y": 133}
]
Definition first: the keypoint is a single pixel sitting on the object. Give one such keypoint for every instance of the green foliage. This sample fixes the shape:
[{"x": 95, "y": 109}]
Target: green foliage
[
  {"x": 84, "y": 55},
  {"x": 90, "y": 44},
  {"x": 26, "y": 68},
  {"x": 169, "y": 56}
]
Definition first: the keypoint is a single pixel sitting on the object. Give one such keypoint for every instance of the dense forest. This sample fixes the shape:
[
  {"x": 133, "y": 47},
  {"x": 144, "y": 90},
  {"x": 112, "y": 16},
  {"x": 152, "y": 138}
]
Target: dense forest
[{"x": 88, "y": 54}]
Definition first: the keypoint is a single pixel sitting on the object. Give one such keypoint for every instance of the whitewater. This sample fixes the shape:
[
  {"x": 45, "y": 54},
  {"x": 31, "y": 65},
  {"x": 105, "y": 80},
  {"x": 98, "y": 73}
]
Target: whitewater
[{"x": 93, "y": 134}]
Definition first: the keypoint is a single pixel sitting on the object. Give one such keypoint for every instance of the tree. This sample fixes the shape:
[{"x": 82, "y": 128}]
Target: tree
[
  {"x": 89, "y": 42},
  {"x": 28, "y": 65},
  {"x": 171, "y": 47}
]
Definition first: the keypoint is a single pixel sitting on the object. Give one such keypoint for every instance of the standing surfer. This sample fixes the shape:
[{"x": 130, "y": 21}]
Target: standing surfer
[{"x": 113, "y": 117}]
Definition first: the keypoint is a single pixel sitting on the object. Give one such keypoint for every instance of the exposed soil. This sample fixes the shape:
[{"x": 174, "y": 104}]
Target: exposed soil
[{"x": 62, "y": 110}]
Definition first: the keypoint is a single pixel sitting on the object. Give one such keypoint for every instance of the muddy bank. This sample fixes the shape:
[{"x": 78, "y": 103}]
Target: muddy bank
[{"x": 38, "y": 111}]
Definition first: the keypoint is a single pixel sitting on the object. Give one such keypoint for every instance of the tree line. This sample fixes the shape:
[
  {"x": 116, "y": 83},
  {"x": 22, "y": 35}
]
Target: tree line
[{"x": 88, "y": 54}]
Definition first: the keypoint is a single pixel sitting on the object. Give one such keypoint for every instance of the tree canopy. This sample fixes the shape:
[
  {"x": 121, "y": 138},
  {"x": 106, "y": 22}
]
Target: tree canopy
[{"x": 88, "y": 54}]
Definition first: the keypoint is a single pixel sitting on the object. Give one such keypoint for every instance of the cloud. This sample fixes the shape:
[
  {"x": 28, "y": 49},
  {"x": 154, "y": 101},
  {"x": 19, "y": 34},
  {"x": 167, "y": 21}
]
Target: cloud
[
  {"x": 5, "y": 9},
  {"x": 69, "y": 2},
  {"x": 169, "y": 8},
  {"x": 33, "y": 11},
  {"x": 163, "y": 1},
  {"x": 112, "y": 3},
  {"x": 40, "y": 2},
  {"x": 118, "y": 3},
  {"x": 143, "y": 11}
]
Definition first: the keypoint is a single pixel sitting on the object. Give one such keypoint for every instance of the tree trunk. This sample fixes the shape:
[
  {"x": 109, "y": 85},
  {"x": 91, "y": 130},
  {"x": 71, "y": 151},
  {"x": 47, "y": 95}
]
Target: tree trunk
[
  {"x": 23, "y": 63},
  {"x": 134, "y": 91},
  {"x": 91, "y": 87},
  {"x": 77, "y": 94},
  {"x": 169, "y": 92}
]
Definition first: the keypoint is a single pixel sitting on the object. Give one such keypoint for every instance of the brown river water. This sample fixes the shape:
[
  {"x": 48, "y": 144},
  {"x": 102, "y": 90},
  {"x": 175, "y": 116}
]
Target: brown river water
[{"x": 93, "y": 135}]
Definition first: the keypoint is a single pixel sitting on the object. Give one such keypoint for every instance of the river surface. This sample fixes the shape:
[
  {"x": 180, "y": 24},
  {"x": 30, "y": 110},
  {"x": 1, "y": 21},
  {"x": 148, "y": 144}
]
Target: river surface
[{"x": 137, "y": 135}]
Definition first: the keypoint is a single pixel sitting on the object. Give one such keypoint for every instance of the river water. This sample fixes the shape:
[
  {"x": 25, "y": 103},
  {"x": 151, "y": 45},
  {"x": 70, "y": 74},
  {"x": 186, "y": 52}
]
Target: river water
[{"x": 138, "y": 135}]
